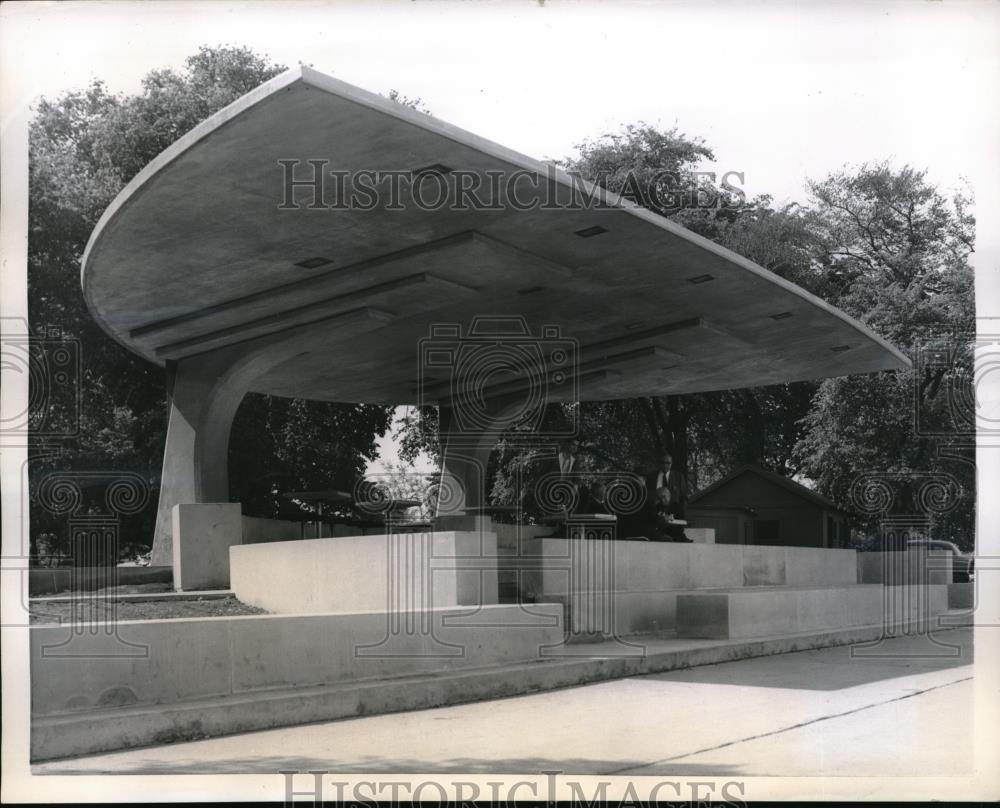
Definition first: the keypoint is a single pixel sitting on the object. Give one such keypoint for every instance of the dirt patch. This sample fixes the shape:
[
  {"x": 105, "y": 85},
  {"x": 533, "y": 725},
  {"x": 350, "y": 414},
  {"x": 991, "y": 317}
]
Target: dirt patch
[{"x": 84, "y": 611}]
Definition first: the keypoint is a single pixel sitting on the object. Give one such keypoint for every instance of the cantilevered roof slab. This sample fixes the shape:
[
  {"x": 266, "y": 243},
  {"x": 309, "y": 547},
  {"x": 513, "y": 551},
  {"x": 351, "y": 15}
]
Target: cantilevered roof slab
[{"x": 199, "y": 253}]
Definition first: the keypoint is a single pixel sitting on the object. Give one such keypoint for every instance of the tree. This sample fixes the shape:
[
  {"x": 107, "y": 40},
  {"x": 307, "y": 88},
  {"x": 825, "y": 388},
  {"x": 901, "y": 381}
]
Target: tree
[
  {"x": 884, "y": 245},
  {"x": 85, "y": 146},
  {"x": 898, "y": 250}
]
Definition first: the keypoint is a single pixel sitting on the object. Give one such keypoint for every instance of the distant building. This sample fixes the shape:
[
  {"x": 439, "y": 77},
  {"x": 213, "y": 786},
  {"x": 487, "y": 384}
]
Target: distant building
[{"x": 756, "y": 506}]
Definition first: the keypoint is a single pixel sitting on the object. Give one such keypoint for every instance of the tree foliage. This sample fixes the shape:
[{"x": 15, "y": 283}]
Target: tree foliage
[
  {"x": 85, "y": 146},
  {"x": 898, "y": 250},
  {"x": 883, "y": 244}
]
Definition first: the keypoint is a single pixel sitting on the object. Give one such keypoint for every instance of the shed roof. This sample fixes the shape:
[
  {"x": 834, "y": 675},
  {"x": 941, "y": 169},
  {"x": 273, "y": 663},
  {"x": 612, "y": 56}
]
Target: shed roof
[{"x": 785, "y": 482}]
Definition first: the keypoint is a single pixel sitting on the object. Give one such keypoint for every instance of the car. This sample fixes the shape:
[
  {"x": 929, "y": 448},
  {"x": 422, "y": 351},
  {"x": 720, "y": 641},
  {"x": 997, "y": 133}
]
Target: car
[{"x": 962, "y": 564}]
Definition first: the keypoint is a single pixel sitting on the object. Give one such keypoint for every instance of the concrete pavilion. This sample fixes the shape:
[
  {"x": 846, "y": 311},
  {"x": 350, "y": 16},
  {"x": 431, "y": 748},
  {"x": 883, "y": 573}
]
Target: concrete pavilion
[{"x": 201, "y": 266}]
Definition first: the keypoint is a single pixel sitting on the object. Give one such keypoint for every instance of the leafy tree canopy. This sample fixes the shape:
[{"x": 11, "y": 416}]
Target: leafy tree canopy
[{"x": 85, "y": 146}]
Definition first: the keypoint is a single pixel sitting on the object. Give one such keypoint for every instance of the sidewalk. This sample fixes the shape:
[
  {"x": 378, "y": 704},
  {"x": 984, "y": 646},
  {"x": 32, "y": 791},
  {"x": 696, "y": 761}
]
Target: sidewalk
[{"x": 908, "y": 711}]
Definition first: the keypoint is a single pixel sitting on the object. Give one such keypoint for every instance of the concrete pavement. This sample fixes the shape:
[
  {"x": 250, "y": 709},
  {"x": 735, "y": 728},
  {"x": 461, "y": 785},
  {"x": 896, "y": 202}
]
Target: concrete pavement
[{"x": 906, "y": 712}]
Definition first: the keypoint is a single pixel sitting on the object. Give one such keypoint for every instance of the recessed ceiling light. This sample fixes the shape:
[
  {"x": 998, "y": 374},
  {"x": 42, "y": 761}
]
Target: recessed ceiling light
[
  {"x": 701, "y": 279},
  {"x": 784, "y": 315},
  {"x": 840, "y": 348},
  {"x": 314, "y": 263},
  {"x": 633, "y": 326},
  {"x": 589, "y": 232},
  {"x": 434, "y": 168}
]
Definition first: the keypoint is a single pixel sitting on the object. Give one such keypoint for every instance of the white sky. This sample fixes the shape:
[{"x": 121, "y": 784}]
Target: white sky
[{"x": 781, "y": 91}]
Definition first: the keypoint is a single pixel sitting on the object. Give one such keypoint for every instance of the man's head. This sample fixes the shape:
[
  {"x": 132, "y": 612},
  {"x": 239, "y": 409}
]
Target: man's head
[
  {"x": 569, "y": 446},
  {"x": 666, "y": 461}
]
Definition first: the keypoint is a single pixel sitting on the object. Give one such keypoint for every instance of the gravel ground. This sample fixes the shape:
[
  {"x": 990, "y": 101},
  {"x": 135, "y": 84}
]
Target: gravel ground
[
  {"x": 124, "y": 589},
  {"x": 84, "y": 612}
]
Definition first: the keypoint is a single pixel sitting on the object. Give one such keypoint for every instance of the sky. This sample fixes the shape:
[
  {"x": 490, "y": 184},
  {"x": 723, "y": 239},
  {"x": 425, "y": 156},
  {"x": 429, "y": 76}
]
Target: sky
[{"x": 779, "y": 91}]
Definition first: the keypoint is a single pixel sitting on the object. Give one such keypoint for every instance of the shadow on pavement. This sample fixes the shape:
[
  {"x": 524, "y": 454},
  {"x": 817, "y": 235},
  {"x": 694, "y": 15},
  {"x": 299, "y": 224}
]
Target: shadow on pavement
[{"x": 839, "y": 667}]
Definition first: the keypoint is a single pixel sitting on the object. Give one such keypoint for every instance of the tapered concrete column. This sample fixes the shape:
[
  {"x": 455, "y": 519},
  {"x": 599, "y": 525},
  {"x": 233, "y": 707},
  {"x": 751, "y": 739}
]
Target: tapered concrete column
[
  {"x": 465, "y": 456},
  {"x": 205, "y": 392}
]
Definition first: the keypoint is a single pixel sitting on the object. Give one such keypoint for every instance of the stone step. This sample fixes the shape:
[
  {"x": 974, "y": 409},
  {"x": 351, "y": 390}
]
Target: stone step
[
  {"x": 635, "y": 612},
  {"x": 767, "y": 611}
]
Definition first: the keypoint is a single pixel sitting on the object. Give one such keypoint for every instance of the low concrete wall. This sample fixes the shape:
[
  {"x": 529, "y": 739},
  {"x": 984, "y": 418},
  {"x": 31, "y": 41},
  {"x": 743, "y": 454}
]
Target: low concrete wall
[
  {"x": 507, "y": 534},
  {"x": 742, "y": 614},
  {"x": 906, "y": 567},
  {"x": 404, "y": 572},
  {"x": 646, "y": 578},
  {"x": 168, "y": 661},
  {"x": 84, "y": 579},
  {"x": 550, "y": 564},
  {"x": 111, "y": 728}
]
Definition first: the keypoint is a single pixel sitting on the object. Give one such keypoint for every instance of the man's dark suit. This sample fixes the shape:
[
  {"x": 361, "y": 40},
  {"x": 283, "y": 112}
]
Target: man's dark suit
[
  {"x": 550, "y": 469},
  {"x": 650, "y": 520}
]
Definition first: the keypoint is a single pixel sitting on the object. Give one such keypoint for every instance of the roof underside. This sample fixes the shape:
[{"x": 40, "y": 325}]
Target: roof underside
[{"x": 197, "y": 254}]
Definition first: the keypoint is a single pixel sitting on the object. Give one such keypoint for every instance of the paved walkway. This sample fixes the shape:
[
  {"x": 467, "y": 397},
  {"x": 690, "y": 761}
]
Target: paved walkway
[{"x": 812, "y": 713}]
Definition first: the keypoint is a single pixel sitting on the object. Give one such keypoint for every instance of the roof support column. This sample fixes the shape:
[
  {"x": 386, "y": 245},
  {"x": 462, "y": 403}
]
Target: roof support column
[
  {"x": 204, "y": 398},
  {"x": 205, "y": 391},
  {"x": 466, "y": 446}
]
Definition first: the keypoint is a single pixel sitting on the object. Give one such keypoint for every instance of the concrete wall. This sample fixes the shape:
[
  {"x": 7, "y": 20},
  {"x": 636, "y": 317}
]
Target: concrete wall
[
  {"x": 82, "y": 579},
  {"x": 507, "y": 534},
  {"x": 700, "y": 535},
  {"x": 405, "y": 572},
  {"x": 904, "y": 567},
  {"x": 663, "y": 566},
  {"x": 648, "y": 577},
  {"x": 793, "y": 610},
  {"x": 221, "y": 656}
]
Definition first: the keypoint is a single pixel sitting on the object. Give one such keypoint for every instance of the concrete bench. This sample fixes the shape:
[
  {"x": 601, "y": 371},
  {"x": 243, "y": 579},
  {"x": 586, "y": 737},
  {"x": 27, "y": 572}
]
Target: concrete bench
[{"x": 770, "y": 611}]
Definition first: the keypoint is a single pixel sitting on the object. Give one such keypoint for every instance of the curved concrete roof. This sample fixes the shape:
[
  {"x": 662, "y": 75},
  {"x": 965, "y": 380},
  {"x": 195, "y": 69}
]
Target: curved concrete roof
[{"x": 196, "y": 253}]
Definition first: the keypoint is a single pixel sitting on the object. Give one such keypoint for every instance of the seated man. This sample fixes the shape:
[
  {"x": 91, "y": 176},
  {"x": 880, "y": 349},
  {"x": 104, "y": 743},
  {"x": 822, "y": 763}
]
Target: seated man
[
  {"x": 661, "y": 516},
  {"x": 564, "y": 473}
]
